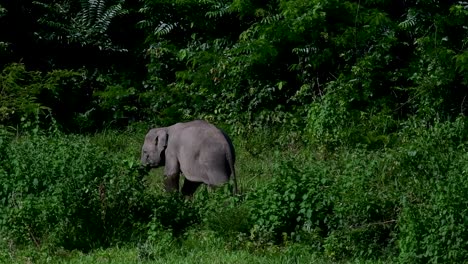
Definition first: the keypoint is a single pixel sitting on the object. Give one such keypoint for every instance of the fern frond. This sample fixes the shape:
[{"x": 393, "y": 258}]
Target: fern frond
[
  {"x": 410, "y": 21},
  {"x": 249, "y": 33},
  {"x": 271, "y": 19},
  {"x": 145, "y": 10},
  {"x": 44, "y": 5},
  {"x": 305, "y": 50},
  {"x": 100, "y": 9},
  {"x": 219, "y": 9},
  {"x": 242, "y": 49},
  {"x": 84, "y": 15},
  {"x": 104, "y": 20},
  {"x": 164, "y": 29},
  {"x": 145, "y": 24}
]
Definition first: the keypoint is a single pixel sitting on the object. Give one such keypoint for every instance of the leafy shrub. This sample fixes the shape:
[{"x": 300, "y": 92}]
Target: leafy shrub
[
  {"x": 64, "y": 191},
  {"x": 335, "y": 120},
  {"x": 432, "y": 222},
  {"x": 159, "y": 241},
  {"x": 407, "y": 198},
  {"x": 365, "y": 206},
  {"x": 434, "y": 230},
  {"x": 359, "y": 202},
  {"x": 19, "y": 89},
  {"x": 341, "y": 206},
  {"x": 33, "y": 96},
  {"x": 175, "y": 213},
  {"x": 226, "y": 215},
  {"x": 67, "y": 94},
  {"x": 295, "y": 198}
]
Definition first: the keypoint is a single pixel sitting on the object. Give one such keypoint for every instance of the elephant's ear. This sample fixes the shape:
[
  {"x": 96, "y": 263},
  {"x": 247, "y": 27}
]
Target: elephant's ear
[{"x": 161, "y": 139}]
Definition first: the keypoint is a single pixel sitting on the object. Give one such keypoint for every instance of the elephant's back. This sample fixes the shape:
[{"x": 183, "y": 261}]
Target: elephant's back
[
  {"x": 200, "y": 139},
  {"x": 203, "y": 137},
  {"x": 197, "y": 131}
]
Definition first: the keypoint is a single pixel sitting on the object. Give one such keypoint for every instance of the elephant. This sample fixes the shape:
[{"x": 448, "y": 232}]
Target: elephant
[{"x": 198, "y": 149}]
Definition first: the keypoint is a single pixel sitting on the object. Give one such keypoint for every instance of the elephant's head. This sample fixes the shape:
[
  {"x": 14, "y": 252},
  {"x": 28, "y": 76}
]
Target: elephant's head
[{"x": 152, "y": 152}]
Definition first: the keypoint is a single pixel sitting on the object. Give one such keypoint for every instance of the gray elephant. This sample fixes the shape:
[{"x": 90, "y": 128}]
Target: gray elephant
[{"x": 198, "y": 149}]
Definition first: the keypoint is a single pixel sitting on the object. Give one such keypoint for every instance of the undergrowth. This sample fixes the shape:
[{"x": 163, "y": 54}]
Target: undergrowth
[{"x": 406, "y": 203}]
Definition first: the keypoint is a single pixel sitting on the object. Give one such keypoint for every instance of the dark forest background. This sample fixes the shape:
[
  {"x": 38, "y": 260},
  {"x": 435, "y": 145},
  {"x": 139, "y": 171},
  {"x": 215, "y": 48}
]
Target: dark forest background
[{"x": 333, "y": 68}]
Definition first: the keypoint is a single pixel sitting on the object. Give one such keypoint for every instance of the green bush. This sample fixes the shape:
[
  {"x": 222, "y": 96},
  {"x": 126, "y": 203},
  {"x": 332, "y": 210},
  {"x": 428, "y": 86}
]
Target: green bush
[
  {"x": 335, "y": 121},
  {"x": 365, "y": 201},
  {"x": 295, "y": 203},
  {"x": 432, "y": 222},
  {"x": 19, "y": 89},
  {"x": 226, "y": 215},
  {"x": 175, "y": 213},
  {"x": 338, "y": 206},
  {"x": 434, "y": 230},
  {"x": 63, "y": 191},
  {"x": 362, "y": 203},
  {"x": 42, "y": 97}
]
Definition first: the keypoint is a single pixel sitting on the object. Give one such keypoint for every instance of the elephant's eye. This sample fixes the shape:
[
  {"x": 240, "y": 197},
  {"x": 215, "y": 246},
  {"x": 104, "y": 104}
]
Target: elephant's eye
[{"x": 156, "y": 141}]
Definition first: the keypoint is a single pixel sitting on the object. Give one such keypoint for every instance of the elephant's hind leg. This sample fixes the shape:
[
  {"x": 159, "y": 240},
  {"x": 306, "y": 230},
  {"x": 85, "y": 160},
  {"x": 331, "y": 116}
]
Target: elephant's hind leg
[
  {"x": 217, "y": 177},
  {"x": 189, "y": 187}
]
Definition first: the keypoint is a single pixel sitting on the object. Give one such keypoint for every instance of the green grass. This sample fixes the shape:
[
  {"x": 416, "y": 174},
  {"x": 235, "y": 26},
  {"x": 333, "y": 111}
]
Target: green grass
[
  {"x": 131, "y": 255},
  {"x": 198, "y": 247}
]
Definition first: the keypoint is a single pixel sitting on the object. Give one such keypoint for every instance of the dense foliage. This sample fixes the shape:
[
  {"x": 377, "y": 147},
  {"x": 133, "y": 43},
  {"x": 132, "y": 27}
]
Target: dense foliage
[
  {"x": 357, "y": 108},
  {"x": 67, "y": 192},
  {"x": 342, "y": 64},
  {"x": 404, "y": 203}
]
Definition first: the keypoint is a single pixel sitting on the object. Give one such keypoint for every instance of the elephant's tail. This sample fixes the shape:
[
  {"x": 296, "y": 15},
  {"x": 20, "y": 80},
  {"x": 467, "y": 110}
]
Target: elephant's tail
[{"x": 231, "y": 159}]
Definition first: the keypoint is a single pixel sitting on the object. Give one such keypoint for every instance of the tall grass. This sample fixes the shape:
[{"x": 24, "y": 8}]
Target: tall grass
[{"x": 404, "y": 202}]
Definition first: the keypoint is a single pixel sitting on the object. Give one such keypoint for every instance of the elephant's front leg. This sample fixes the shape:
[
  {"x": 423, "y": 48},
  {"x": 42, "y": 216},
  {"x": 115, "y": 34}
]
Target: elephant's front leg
[
  {"x": 172, "y": 173},
  {"x": 171, "y": 183}
]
